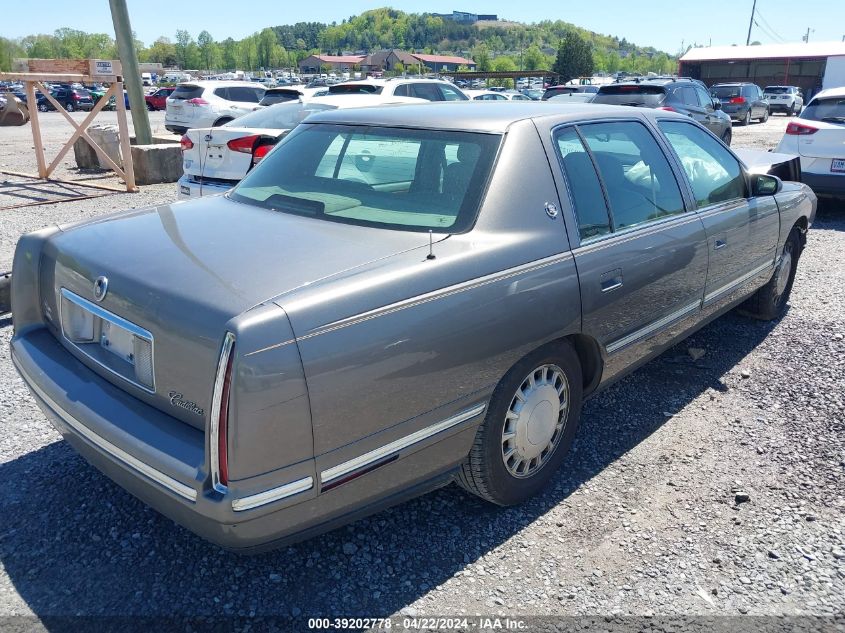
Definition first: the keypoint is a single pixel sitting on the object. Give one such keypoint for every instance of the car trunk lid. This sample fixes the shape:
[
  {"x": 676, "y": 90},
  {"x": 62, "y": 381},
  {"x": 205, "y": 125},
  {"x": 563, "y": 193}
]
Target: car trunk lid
[
  {"x": 212, "y": 157},
  {"x": 181, "y": 272}
]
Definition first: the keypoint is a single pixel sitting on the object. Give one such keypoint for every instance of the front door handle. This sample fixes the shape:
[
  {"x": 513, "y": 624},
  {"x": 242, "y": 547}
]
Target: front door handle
[
  {"x": 611, "y": 280},
  {"x": 719, "y": 244}
]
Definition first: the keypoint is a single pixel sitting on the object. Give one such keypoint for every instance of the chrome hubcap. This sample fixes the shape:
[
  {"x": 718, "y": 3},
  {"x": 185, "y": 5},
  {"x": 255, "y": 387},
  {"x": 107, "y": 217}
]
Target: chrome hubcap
[
  {"x": 783, "y": 271},
  {"x": 535, "y": 420}
]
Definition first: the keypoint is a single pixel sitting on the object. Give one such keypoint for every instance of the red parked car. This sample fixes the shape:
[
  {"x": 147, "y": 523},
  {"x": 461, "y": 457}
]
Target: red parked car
[{"x": 157, "y": 100}]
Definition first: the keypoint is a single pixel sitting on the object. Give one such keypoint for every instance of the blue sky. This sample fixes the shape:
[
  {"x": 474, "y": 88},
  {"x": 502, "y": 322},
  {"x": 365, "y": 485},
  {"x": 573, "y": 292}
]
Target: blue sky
[{"x": 664, "y": 24}]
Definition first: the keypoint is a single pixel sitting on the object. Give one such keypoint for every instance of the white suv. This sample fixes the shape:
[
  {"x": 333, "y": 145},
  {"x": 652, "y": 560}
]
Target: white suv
[
  {"x": 428, "y": 89},
  {"x": 210, "y": 103}
]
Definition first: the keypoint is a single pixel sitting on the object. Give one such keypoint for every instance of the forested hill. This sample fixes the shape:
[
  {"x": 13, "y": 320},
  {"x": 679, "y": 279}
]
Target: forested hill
[{"x": 390, "y": 28}]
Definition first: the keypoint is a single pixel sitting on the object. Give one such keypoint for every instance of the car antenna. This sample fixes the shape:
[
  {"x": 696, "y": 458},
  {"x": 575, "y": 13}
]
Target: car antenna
[{"x": 431, "y": 254}]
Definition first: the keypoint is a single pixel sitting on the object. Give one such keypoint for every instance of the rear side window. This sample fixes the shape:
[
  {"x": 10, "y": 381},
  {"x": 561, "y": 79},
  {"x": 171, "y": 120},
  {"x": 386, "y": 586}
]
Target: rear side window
[
  {"x": 636, "y": 95},
  {"x": 584, "y": 186},
  {"x": 634, "y": 176},
  {"x": 451, "y": 94},
  {"x": 245, "y": 94},
  {"x": 187, "y": 92},
  {"x": 426, "y": 91},
  {"x": 714, "y": 174},
  {"x": 401, "y": 91}
]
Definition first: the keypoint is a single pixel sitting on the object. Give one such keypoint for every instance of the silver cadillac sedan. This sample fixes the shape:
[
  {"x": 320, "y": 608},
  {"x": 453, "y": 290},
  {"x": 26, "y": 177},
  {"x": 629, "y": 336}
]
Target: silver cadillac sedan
[{"x": 393, "y": 299}]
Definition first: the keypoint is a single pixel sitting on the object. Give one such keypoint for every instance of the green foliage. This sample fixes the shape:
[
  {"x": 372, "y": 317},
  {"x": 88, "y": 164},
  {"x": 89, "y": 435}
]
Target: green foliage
[
  {"x": 574, "y": 58},
  {"x": 279, "y": 46}
]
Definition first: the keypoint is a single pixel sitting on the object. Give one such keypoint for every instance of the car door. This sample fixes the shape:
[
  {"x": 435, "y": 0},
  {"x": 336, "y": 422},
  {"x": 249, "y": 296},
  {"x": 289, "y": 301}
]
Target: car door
[
  {"x": 641, "y": 254},
  {"x": 691, "y": 105},
  {"x": 711, "y": 120},
  {"x": 742, "y": 232}
]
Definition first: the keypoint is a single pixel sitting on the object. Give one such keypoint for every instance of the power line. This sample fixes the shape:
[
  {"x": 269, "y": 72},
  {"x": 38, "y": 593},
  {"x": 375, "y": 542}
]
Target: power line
[{"x": 773, "y": 32}]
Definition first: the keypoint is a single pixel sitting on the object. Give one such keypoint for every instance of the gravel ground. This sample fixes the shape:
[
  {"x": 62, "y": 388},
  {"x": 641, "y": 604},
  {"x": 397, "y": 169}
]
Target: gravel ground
[{"x": 713, "y": 486}]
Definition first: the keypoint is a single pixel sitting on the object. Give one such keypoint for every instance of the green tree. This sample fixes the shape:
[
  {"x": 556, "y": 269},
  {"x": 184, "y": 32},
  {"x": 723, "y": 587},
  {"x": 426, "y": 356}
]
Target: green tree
[
  {"x": 265, "y": 41},
  {"x": 574, "y": 57},
  {"x": 503, "y": 63},
  {"x": 9, "y": 50},
  {"x": 481, "y": 56},
  {"x": 229, "y": 53},
  {"x": 207, "y": 49},
  {"x": 535, "y": 59},
  {"x": 185, "y": 47}
]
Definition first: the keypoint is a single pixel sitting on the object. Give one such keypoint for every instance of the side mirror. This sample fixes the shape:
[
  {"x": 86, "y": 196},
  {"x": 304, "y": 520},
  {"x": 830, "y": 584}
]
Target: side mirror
[
  {"x": 765, "y": 185},
  {"x": 717, "y": 104}
]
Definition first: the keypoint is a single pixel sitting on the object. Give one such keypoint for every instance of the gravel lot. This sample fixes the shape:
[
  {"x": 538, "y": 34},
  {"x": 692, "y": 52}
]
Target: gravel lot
[{"x": 713, "y": 486}]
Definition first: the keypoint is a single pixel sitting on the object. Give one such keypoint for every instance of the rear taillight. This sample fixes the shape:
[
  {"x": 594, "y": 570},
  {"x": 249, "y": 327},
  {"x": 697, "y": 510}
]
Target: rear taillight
[
  {"x": 219, "y": 423},
  {"x": 185, "y": 143},
  {"x": 667, "y": 108},
  {"x": 197, "y": 101},
  {"x": 243, "y": 144},
  {"x": 737, "y": 100},
  {"x": 75, "y": 96},
  {"x": 800, "y": 129},
  {"x": 260, "y": 152}
]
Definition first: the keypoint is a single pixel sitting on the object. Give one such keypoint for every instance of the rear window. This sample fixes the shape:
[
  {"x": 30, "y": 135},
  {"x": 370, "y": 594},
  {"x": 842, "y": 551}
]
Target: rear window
[
  {"x": 725, "y": 92},
  {"x": 187, "y": 91},
  {"x": 401, "y": 179},
  {"x": 830, "y": 110},
  {"x": 346, "y": 89},
  {"x": 776, "y": 90},
  {"x": 272, "y": 97},
  {"x": 639, "y": 95},
  {"x": 284, "y": 116}
]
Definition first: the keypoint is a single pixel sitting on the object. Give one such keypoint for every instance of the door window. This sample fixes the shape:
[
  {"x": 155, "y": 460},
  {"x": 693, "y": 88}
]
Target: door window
[
  {"x": 450, "y": 94},
  {"x": 703, "y": 98},
  {"x": 714, "y": 174},
  {"x": 584, "y": 186},
  {"x": 426, "y": 91},
  {"x": 689, "y": 97},
  {"x": 637, "y": 178}
]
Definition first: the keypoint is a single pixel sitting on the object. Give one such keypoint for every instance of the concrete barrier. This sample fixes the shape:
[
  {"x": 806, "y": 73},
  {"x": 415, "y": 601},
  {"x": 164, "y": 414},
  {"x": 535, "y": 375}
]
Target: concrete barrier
[{"x": 157, "y": 163}]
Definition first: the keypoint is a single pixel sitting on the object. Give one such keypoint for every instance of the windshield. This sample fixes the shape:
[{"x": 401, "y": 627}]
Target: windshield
[
  {"x": 633, "y": 95},
  {"x": 726, "y": 92},
  {"x": 776, "y": 90},
  {"x": 282, "y": 116},
  {"x": 402, "y": 179},
  {"x": 830, "y": 109}
]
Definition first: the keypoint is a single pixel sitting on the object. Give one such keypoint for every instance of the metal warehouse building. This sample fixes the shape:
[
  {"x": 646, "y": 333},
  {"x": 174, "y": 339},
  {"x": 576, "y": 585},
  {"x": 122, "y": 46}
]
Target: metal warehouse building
[{"x": 812, "y": 67}]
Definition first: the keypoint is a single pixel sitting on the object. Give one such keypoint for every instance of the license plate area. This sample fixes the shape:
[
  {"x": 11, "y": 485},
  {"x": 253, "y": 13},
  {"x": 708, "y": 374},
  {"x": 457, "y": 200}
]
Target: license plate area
[
  {"x": 110, "y": 341},
  {"x": 837, "y": 165}
]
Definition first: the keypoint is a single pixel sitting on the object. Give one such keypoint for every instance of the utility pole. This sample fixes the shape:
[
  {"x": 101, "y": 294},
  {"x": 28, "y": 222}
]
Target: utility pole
[
  {"x": 750, "y": 23},
  {"x": 131, "y": 71},
  {"x": 806, "y": 38}
]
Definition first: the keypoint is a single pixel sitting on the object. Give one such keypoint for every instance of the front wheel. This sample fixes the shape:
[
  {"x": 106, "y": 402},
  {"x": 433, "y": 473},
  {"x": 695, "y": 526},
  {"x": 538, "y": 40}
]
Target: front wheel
[
  {"x": 528, "y": 429},
  {"x": 69, "y": 106},
  {"x": 42, "y": 107},
  {"x": 769, "y": 302}
]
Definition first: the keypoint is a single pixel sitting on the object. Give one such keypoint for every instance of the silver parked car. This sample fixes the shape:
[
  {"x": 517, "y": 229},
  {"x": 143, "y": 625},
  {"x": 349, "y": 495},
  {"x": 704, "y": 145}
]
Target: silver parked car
[{"x": 393, "y": 299}]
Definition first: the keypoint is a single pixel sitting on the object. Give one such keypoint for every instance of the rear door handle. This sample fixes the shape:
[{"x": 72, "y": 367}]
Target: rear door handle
[
  {"x": 719, "y": 244},
  {"x": 611, "y": 280}
]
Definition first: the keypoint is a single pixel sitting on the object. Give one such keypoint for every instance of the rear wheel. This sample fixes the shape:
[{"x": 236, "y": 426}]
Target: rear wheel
[
  {"x": 765, "y": 116},
  {"x": 727, "y": 136},
  {"x": 769, "y": 301},
  {"x": 222, "y": 121},
  {"x": 150, "y": 107},
  {"x": 746, "y": 120},
  {"x": 529, "y": 427},
  {"x": 42, "y": 107}
]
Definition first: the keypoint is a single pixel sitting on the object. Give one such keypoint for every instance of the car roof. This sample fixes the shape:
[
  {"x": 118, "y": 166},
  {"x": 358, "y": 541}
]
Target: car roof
[
  {"x": 214, "y": 83},
  {"x": 493, "y": 117},
  {"x": 830, "y": 92},
  {"x": 733, "y": 83}
]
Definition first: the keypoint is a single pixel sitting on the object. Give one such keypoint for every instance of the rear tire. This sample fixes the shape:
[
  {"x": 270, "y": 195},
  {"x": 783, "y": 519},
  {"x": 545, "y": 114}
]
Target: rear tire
[
  {"x": 746, "y": 120},
  {"x": 69, "y": 106},
  {"x": 769, "y": 302},
  {"x": 727, "y": 137},
  {"x": 528, "y": 429},
  {"x": 222, "y": 121},
  {"x": 765, "y": 116},
  {"x": 42, "y": 107}
]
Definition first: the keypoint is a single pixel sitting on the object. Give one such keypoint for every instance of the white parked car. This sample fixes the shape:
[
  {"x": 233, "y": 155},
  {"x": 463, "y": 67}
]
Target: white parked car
[
  {"x": 210, "y": 103},
  {"x": 786, "y": 99},
  {"x": 420, "y": 88},
  {"x": 492, "y": 95},
  {"x": 818, "y": 137},
  {"x": 215, "y": 159}
]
